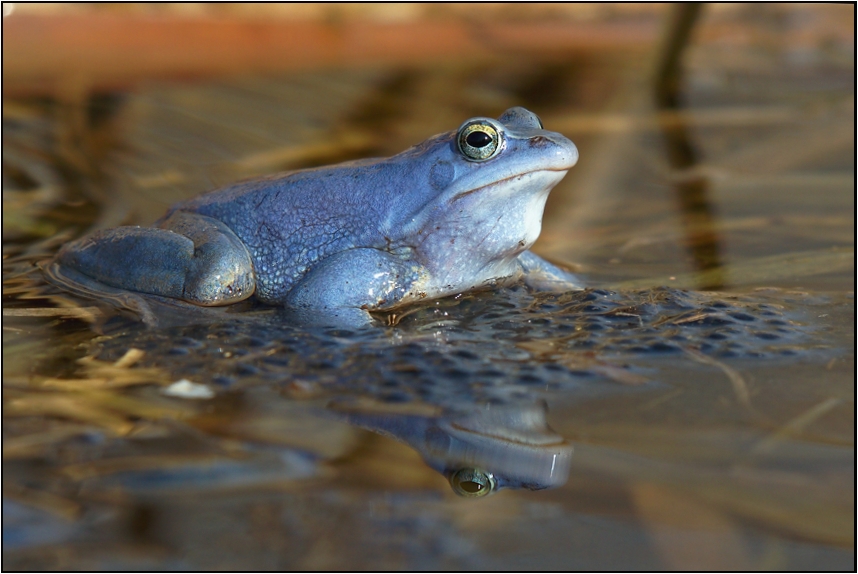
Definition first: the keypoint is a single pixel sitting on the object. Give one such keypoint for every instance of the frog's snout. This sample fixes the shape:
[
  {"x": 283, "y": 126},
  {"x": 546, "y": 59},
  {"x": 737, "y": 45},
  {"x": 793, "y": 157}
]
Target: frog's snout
[
  {"x": 570, "y": 152},
  {"x": 565, "y": 152}
]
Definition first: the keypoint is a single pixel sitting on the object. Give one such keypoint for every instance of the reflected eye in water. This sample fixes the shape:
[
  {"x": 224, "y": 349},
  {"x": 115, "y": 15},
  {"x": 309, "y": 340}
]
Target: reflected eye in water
[
  {"x": 479, "y": 140},
  {"x": 473, "y": 482}
]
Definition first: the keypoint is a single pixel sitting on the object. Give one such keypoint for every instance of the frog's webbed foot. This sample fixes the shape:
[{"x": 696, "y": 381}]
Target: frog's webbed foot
[
  {"x": 541, "y": 275},
  {"x": 342, "y": 289},
  {"x": 190, "y": 257}
]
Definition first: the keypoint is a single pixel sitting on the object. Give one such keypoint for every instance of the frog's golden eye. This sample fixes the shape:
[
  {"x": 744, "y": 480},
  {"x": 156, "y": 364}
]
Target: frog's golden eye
[
  {"x": 479, "y": 140},
  {"x": 473, "y": 482}
]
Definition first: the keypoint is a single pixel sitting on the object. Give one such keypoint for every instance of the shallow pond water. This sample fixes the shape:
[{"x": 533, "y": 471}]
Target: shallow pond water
[{"x": 692, "y": 408}]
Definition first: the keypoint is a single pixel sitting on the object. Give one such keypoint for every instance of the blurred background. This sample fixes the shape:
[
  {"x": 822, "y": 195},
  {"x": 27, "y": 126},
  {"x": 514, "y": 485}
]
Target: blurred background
[
  {"x": 167, "y": 100},
  {"x": 717, "y": 148}
]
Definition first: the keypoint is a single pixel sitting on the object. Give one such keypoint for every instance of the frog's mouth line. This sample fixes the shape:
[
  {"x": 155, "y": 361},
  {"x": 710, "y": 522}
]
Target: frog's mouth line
[
  {"x": 508, "y": 439},
  {"x": 512, "y": 177}
]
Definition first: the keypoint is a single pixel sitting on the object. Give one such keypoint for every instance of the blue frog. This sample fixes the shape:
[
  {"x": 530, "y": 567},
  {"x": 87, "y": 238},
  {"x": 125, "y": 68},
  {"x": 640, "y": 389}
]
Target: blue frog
[
  {"x": 479, "y": 450},
  {"x": 455, "y": 213}
]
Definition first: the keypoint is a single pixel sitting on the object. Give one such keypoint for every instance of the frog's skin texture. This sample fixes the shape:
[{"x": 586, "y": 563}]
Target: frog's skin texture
[{"x": 435, "y": 220}]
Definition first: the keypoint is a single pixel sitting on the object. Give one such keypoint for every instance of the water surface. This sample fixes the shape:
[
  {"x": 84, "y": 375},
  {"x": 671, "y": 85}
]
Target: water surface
[{"x": 693, "y": 408}]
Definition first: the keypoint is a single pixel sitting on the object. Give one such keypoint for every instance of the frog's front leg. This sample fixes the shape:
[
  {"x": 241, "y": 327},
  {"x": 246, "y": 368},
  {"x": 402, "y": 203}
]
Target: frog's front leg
[
  {"x": 541, "y": 275},
  {"x": 346, "y": 286},
  {"x": 189, "y": 257}
]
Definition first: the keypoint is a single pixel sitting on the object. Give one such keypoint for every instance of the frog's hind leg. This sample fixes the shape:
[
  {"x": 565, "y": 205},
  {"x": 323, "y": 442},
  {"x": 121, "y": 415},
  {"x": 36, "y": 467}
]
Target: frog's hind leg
[{"x": 190, "y": 257}]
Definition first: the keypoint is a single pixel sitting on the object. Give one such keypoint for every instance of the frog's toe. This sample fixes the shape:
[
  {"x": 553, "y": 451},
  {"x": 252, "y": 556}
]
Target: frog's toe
[{"x": 541, "y": 275}]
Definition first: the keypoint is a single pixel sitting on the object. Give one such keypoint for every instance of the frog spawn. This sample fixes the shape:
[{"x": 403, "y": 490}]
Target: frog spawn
[
  {"x": 478, "y": 347},
  {"x": 479, "y": 362}
]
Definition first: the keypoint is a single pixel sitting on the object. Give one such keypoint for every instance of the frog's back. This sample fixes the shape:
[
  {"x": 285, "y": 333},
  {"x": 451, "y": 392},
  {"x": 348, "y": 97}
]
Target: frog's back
[{"x": 290, "y": 221}]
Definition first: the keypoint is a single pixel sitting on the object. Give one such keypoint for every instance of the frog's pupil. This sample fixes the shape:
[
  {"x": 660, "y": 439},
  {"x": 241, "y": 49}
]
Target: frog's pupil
[
  {"x": 478, "y": 139},
  {"x": 471, "y": 486}
]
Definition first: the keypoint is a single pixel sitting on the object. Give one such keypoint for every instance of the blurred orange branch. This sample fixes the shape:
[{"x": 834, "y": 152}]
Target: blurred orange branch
[{"x": 113, "y": 50}]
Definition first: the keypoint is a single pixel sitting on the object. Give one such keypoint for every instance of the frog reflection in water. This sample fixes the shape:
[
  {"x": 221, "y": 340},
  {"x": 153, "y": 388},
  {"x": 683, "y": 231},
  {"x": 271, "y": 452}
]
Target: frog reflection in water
[
  {"x": 455, "y": 213},
  {"x": 479, "y": 451}
]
